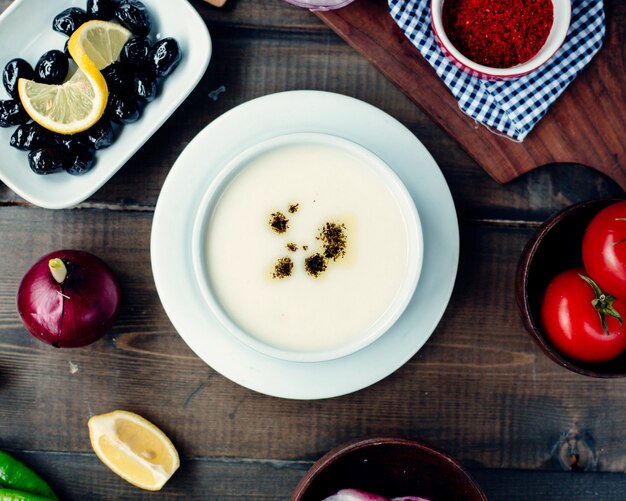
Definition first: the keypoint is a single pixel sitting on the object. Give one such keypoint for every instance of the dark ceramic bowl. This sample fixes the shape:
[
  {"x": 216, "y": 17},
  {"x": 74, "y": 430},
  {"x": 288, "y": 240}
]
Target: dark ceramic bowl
[
  {"x": 555, "y": 247},
  {"x": 389, "y": 467}
]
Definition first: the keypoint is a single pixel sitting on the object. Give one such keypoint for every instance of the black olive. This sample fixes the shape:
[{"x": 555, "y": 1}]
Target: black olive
[
  {"x": 135, "y": 52},
  {"x": 52, "y": 67},
  {"x": 13, "y": 71},
  {"x": 31, "y": 136},
  {"x": 68, "y": 21},
  {"x": 164, "y": 57},
  {"x": 145, "y": 88},
  {"x": 82, "y": 162},
  {"x": 133, "y": 15},
  {"x": 71, "y": 143},
  {"x": 101, "y": 9},
  {"x": 12, "y": 113},
  {"x": 119, "y": 79},
  {"x": 47, "y": 160},
  {"x": 122, "y": 109},
  {"x": 100, "y": 135},
  {"x": 66, "y": 49}
]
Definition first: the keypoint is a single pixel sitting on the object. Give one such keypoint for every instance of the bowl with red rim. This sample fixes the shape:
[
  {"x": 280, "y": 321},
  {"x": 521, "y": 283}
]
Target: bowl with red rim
[
  {"x": 388, "y": 467},
  {"x": 561, "y": 17},
  {"x": 555, "y": 247}
]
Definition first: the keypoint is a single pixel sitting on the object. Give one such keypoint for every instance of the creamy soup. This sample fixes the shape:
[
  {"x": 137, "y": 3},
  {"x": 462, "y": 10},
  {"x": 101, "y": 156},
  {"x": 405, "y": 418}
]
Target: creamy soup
[{"x": 307, "y": 247}]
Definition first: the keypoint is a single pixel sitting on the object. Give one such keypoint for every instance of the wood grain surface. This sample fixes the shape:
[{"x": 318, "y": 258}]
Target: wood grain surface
[
  {"x": 585, "y": 126},
  {"x": 480, "y": 389}
]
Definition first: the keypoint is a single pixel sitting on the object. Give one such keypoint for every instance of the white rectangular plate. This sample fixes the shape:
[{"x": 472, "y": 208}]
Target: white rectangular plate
[{"x": 26, "y": 32}]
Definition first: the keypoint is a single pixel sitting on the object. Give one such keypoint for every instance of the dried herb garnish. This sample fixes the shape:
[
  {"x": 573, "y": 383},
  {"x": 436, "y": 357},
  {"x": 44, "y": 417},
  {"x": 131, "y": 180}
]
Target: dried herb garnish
[
  {"x": 315, "y": 264},
  {"x": 278, "y": 222},
  {"x": 333, "y": 236},
  {"x": 283, "y": 268}
]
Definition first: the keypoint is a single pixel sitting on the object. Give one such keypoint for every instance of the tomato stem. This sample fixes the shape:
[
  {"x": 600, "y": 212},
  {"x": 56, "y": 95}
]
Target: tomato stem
[{"x": 603, "y": 303}]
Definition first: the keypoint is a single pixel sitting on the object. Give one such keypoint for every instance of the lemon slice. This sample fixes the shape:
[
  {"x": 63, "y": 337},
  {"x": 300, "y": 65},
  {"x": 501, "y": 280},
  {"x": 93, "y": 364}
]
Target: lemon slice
[
  {"x": 133, "y": 448},
  {"x": 78, "y": 103},
  {"x": 71, "y": 107},
  {"x": 99, "y": 42}
]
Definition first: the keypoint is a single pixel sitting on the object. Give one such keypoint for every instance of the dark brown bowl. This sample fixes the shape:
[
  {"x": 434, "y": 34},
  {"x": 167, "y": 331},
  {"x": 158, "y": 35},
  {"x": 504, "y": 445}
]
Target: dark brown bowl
[
  {"x": 555, "y": 247},
  {"x": 389, "y": 467}
]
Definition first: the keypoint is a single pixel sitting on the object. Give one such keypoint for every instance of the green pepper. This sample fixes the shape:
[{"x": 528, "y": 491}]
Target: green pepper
[
  {"x": 16, "y": 477},
  {"x": 14, "y": 495}
]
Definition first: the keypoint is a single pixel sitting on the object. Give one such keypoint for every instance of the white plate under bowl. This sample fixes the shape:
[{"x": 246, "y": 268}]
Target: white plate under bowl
[
  {"x": 384, "y": 174},
  {"x": 257, "y": 121},
  {"x": 26, "y": 32}
]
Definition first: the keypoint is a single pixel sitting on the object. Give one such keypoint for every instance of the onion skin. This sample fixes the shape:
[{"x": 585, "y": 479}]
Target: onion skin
[
  {"x": 320, "y": 5},
  {"x": 359, "y": 495},
  {"x": 77, "y": 311}
]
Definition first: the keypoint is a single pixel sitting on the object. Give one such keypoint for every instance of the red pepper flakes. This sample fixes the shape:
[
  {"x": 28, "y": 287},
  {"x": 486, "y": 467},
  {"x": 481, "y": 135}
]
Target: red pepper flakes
[{"x": 498, "y": 33}]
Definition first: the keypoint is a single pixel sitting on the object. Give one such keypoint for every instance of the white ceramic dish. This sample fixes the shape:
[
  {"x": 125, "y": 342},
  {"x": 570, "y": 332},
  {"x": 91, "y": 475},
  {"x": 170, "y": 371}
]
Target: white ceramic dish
[
  {"x": 556, "y": 37},
  {"x": 403, "y": 200},
  {"x": 26, "y": 32},
  {"x": 260, "y": 120}
]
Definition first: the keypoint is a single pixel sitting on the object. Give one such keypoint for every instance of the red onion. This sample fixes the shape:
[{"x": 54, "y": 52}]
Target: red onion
[
  {"x": 68, "y": 298},
  {"x": 320, "y": 4},
  {"x": 358, "y": 495},
  {"x": 355, "y": 495}
]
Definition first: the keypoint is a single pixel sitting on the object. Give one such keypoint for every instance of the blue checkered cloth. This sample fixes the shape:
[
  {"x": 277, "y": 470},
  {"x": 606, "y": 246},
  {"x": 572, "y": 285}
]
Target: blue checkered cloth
[{"x": 512, "y": 107}]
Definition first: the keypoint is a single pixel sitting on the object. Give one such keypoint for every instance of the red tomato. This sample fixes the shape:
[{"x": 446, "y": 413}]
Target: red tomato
[
  {"x": 604, "y": 249},
  {"x": 573, "y": 324}
]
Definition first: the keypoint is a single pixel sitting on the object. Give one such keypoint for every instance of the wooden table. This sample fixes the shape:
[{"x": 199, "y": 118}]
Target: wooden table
[{"x": 480, "y": 389}]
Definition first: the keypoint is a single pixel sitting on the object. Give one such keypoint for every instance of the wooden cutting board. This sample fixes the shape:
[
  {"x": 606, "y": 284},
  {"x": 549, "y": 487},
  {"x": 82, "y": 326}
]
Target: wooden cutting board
[{"x": 586, "y": 125}]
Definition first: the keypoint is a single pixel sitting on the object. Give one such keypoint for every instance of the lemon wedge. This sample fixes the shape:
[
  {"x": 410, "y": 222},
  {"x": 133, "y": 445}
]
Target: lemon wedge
[
  {"x": 133, "y": 448},
  {"x": 78, "y": 103},
  {"x": 98, "y": 42}
]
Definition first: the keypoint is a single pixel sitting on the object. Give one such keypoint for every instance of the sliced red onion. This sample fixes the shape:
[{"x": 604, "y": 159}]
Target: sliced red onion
[
  {"x": 355, "y": 495},
  {"x": 320, "y": 4},
  {"x": 358, "y": 495},
  {"x": 68, "y": 298}
]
